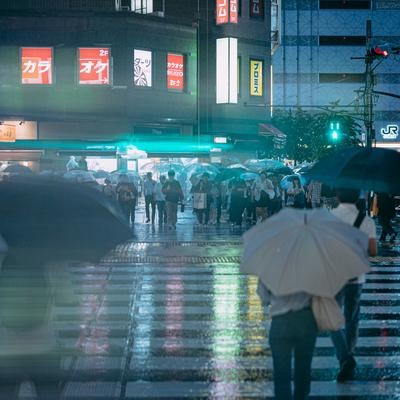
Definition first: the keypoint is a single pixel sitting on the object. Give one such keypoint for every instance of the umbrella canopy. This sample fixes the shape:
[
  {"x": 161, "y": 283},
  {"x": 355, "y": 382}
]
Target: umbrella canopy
[
  {"x": 17, "y": 169},
  {"x": 287, "y": 180},
  {"x": 229, "y": 173},
  {"x": 100, "y": 174},
  {"x": 79, "y": 175},
  {"x": 201, "y": 168},
  {"x": 360, "y": 168},
  {"x": 163, "y": 168},
  {"x": 305, "y": 251},
  {"x": 249, "y": 176},
  {"x": 60, "y": 220},
  {"x": 263, "y": 164},
  {"x": 132, "y": 176},
  {"x": 281, "y": 171}
]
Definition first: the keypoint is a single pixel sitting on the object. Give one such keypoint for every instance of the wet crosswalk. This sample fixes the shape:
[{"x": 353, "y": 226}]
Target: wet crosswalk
[{"x": 170, "y": 316}]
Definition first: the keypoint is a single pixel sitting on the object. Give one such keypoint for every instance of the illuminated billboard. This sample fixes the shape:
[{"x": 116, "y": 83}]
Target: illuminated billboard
[
  {"x": 227, "y": 71},
  {"x": 226, "y": 11},
  {"x": 175, "y": 71},
  {"x": 37, "y": 65},
  {"x": 256, "y": 78},
  {"x": 142, "y": 68},
  {"x": 94, "y": 66}
]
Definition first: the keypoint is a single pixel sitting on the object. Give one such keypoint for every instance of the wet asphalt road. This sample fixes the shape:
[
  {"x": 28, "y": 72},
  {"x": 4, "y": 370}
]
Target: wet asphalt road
[{"x": 170, "y": 316}]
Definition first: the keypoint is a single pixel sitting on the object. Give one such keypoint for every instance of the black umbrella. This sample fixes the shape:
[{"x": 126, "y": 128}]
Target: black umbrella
[
  {"x": 60, "y": 220},
  {"x": 17, "y": 169},
  {"x": 360, "y": 168}
]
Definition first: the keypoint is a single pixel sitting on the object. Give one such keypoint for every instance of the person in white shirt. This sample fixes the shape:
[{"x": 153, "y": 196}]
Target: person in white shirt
[
  {"x": 349, "y": 297},
  {"x": 148, "y": 188},
  {"x": 160, "y": 201}
]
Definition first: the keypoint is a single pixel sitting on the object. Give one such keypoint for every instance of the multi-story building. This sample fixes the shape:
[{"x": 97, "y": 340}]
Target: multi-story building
[
  {"x": 115, "y": 69},
  {"x": 313, "y": 66}
]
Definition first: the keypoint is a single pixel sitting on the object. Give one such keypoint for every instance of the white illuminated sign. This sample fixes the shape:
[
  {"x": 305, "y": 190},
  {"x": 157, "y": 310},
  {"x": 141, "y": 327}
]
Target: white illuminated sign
[
  {"x": 220, "y": 140},
  {"x": 390, "y": 132},
  {"x": 227, "y": 69},
  {"x": 142, "y": 68}
]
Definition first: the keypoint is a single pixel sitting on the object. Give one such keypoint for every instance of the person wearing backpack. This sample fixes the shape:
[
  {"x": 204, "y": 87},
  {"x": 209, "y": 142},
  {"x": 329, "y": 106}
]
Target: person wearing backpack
[{"x": 349, "y": 297}]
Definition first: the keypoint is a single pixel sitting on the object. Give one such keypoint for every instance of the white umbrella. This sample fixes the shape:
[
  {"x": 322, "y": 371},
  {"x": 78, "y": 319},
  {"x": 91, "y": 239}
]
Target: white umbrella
[
  {"x": 305, "y": 251},
  {"x": 78, "y": 175}
]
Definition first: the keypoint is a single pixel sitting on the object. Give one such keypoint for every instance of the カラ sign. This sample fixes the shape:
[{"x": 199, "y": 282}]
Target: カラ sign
[
  {"x": 36, "y": 65},
  {"x": 94, "y": 66},
  {"x": 256, "y": 78}
]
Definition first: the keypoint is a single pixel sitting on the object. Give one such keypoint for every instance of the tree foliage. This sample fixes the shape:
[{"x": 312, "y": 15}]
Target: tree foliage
[{"x": 307, "y": 132}]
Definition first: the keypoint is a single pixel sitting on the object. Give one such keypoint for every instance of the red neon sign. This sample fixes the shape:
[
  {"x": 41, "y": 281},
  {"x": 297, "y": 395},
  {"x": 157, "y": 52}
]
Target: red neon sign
[
  {"x": 94, "y": 66},
  {"x": 37, "y": 65},
  {"x": 175, "y": 71}
]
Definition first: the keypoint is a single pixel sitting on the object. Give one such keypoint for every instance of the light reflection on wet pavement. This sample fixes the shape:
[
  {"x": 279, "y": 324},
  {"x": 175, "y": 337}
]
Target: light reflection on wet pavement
[{"x": 170, "y": 316}]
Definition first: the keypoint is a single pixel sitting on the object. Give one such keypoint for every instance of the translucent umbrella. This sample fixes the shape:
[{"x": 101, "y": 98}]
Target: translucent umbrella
[
  {"x": 305, "y": 251},
  {"x": 78, "y": 175},
  {"x": 248, "y": 176},
  {"x": 201, "y": 168}
]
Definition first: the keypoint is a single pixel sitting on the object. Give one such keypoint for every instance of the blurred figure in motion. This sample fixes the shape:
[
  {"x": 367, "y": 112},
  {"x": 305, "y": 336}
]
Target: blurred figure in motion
[
  {"x": 296, "y": 196},
  {"x": 126, "y": 196},
  {"x": 386, "y": 211},
  {"x": 29, "y": 349},
  {"x": 237, "y": 202}
]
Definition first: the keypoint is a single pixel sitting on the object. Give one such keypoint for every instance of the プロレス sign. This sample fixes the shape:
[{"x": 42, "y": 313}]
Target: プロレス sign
[
  {"x": 256, "y": 77},
  {"x": 36, "y": 65}
]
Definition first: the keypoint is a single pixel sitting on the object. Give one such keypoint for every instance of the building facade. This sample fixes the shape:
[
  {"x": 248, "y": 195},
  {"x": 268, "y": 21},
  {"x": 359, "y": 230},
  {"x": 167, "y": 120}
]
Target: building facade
[
  {"x": 113, "y": 69},
  {"x": 313, "y": 67}
]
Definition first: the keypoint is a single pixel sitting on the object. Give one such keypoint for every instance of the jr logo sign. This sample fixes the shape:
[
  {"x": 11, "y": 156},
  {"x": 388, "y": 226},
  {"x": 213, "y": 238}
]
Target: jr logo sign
[{"x": 391, "y": 132}]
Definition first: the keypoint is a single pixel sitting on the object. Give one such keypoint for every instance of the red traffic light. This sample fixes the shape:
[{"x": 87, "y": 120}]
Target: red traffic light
[{"x": 378, "y": 52}]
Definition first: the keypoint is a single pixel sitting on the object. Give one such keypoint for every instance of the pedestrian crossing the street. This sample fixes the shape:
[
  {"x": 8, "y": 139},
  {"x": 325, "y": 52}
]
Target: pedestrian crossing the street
[{"x": 164, "y": 319}]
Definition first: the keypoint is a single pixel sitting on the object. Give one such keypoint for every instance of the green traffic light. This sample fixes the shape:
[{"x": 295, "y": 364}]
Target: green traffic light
[{"x": 334, "y": 131}]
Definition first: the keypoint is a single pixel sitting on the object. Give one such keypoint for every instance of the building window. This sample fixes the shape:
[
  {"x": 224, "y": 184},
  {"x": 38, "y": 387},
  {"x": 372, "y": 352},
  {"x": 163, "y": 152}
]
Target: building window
[
  {"x": 341, "y": 78},
  {"x": 345, "y": 4},
  {"x": 142, "y": 6},
  {"x": 342, "y": 40}
]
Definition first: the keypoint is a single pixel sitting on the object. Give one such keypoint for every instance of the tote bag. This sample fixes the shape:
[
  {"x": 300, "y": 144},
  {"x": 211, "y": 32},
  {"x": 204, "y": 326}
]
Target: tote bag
[
  {"x": 199, "y": 201},
  {"x": 327, "y": 313}
]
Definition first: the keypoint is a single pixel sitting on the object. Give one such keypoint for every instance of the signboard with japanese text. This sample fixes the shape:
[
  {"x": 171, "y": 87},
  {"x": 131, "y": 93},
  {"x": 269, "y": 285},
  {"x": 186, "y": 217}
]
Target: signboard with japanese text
[
  {"x": 257, "y": 8},
  {"x": 233, "y": 11},
  {"x": 226, "y": 11},
  {"x": 142, "y": 64},
  {"x": 175, "y": 71},
  {"x": 222, "y": 12},
  {"x": 256, "y": 78},
  {"x": 37, "y": 65},
  {"x": 8, "y": 133},
  {"x": 94, "y": 66}
]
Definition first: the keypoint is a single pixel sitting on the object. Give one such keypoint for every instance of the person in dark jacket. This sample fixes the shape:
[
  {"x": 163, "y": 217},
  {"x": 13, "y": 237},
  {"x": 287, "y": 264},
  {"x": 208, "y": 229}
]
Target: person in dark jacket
[{"x": 386, "y": 211}]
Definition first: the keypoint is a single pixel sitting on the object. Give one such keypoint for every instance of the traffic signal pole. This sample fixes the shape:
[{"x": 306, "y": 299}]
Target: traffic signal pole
[{"x": 369, "y": 90}]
